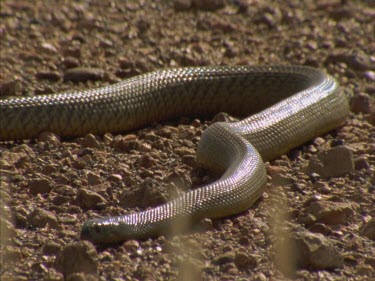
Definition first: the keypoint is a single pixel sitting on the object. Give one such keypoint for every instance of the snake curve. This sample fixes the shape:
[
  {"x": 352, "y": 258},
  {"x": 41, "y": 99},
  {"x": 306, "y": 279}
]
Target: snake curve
[{"x": 289, "y": 106}]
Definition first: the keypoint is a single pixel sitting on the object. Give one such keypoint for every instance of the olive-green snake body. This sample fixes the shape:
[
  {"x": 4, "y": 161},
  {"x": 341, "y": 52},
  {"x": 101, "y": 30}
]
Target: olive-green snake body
[{"x": 289, "y": 106}]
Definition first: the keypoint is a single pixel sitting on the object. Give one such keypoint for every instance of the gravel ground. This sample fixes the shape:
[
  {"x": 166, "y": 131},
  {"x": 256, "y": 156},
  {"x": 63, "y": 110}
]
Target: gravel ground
[{"x": 310, "y": 224}]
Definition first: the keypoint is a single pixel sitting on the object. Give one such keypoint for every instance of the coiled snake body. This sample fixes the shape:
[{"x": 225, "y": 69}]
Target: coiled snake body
[{"x": 290, "y": 105}]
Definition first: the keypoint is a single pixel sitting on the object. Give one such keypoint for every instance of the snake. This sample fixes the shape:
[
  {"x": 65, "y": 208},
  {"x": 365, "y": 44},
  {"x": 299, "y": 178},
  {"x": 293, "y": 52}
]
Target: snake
[{"x": 283, "y": 106}]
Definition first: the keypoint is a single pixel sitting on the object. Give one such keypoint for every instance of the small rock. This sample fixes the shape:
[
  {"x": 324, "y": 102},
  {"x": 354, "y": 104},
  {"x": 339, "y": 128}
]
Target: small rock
[
  {"x": 148, "y": 194},
  {"x": 362, "y": 163},
  {"x": 370, "y": 75},
  {"x": 93, "y": 179},
  {"x": 316, "y": 252},
  {"x": 83, "y": 74},
  {"x": 329, "y": 212},
  {"x": 208, "y": 5},
  {"x": 51, "y": 248},
  {"x": 89, "y": 199},
  {"x": 184, "y": 151},
  {"x": 368, "y": 229},
  {"x": 53, "y": 76},
  {"x": 227, "y": 257},
  {"x": 11, "y": 88},
  {"x": 7, "y": 231},
  {"x": 116, "y": 178},
  {"x": 49, "y": 169},
  {"x": 40, "y": 218},
  {"x": 206, "y": 224},
  {"x": 48, "y": 48},
  {"x": 332, "y": 163},
  {"x": 71, "y": 62},
  {"x": 145, "y": 161},
  {"x": 131, "y": 245},
  {"x": 78, "y": 257},
  {"x": 50, "y": 138},
  {"x": 125, "y": 145},
  {"x": 190, "y": 160},
  {"x": 182, "y": 5},
  {"x": 361, "y": 103},
  {"x": 260, "y": 277},
  {"x": 245, "y": 261},
  {"x": 279, "y": 176},
  {"x": 355, "y": 60},
  {"x": 65, "y": 190},
  {"x": 41, "y": 186},
  {"x": 90, "y": 141}
]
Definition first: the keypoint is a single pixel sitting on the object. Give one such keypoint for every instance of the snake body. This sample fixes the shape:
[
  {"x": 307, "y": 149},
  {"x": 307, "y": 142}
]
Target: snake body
[{"x": 289, "y": 106}]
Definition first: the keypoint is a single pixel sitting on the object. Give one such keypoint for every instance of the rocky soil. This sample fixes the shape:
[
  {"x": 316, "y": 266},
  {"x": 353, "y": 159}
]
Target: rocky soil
[{"x": 312, "y": 223}]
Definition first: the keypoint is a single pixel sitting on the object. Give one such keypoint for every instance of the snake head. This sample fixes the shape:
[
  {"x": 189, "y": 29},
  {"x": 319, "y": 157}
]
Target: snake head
[{"x": 100, "y": 231}]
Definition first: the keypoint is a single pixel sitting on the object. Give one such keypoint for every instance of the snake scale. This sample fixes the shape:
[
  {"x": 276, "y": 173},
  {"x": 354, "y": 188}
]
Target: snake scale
[{"x": 288, "y": 105}]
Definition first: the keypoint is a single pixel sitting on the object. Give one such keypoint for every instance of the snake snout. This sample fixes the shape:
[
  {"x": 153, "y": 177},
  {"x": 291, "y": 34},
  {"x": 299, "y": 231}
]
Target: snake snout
[{"x": 92, "y": 231}]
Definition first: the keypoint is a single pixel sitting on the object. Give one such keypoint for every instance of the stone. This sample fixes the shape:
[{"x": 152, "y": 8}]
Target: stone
[
  {"x": 90, "y": 141},
  {"x": 39, "y": 186},
  {"x": 314, "y": 251},
  {"x": 361, "y": 103},
  {"x": 89, "y": 199},
  {"x": 39, "y": 218},
  {"x": 77, "y": 257},
  {"x": 131, "y": 245},
  {"x": 329, "y": 212},
  {"x": 332, "y": 163},
  {"x": 52, "y": 76},
  {"x": 227, "y": 257},
  {"x": 368, "y": 229},
  {"x": 51, "y": 248},
  {"x": 93, "y": 179},
  {"x": 83, "y": 74},
  {"x": 245, "y": 261},
  {"x": 50, "y": 138}
]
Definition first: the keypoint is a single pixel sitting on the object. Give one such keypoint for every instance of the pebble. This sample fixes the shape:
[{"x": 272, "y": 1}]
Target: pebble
[
  {"x": 48, "y": 48},
  {"x": 93, "y": 179},
  {"x": 362, "y": 103},
  {"x": 77, "y": 257},
  {"x": 39, "y": 218},
  {"x": 148, "y": 193},
  {"x": 90, "y": 141},
  {"x": 89, "y": 199},
  {"x": 245, "y": 261},
  {"x": 70, "y": 62},
  {"x": 332, "y": 163},
  {"x": 279, "y": 176},
  {"x": 328, "y": 212},
  {"x": 39, "y": 186},
  {"x": 124, "y": 144},
  {"x": 361, "y": 163},
  {"x": 131, "y": 245},
  {"x": 11, "y": 88},
  {"x": 51, "y": 248},
  {"x": 53, "y": 76},
  {"x": 208, "y": 5},
  {"x": 50, "y": 138},
  {"x": 182, "y": 5},
  {"x": 116, "y": 178},
  {"x": 316, "y": 251},
  {"x": 368, "y": 229},
  {"x": 369, "y": 75},
  {"x": 355, "y": 60},
  {"x": 227, "y": 257},
  {"x": 146, "y": 161},
  {"x": 83, "y": 74}
]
